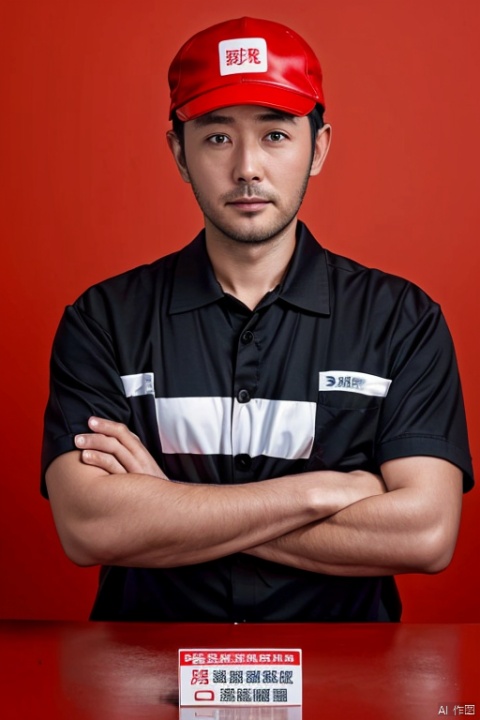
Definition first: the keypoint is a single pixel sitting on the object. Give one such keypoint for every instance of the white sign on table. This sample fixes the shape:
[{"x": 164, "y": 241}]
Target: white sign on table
[{"x": 240, "y": 677}]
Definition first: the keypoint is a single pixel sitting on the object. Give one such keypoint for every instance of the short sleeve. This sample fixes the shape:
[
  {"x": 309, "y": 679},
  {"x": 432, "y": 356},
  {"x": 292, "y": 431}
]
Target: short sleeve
[
  {"x": 84, "y": 381},
  {"x": 423, "y": 413}
]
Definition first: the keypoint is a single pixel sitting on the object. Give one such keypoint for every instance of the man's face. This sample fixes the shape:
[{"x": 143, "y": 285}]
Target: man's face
[{"x": 249, "y": 168}]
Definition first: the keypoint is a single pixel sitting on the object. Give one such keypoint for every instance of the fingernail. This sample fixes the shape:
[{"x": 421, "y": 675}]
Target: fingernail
[
  {"x": 93, "y": 422},
  {"x": 79, "y": 440}
]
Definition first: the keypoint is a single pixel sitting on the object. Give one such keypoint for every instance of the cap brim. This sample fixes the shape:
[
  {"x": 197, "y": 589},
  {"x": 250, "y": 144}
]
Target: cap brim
[{"x": 246, "y": 93}]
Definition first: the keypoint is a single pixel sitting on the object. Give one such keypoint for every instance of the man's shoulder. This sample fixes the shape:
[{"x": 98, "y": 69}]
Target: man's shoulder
[
  {"x": 346, "y": 269},
  {"x": 140, "y": 278},
  {"x": 350, "y": 266},
  {"x": 136, "y": 287},
  {"x": 347, "y": 272}
]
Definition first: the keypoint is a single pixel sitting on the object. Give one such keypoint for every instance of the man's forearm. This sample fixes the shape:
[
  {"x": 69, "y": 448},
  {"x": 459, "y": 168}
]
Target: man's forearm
[
  {"x": 113, "y": 505},
  {"x": 410, "y": 529},
  {"x": 356, "y": 541},
  {"x": 140, "y": 520}
]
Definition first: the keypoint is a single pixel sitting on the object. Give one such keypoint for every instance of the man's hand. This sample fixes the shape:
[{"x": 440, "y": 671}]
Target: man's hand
[{"x": 112, "y": 447}]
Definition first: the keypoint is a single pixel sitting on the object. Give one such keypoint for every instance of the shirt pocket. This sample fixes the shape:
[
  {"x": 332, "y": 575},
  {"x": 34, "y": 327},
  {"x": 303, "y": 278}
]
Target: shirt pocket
[{"x": 345, "y": 431}]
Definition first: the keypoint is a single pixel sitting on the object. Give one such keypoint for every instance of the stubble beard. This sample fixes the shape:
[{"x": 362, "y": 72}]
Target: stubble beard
[{"x": 253, "y": 236}]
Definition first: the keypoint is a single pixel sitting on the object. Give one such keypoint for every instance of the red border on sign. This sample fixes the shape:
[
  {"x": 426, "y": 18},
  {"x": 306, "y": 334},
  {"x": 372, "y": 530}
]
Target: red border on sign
[{"x": 239, "y": 657}]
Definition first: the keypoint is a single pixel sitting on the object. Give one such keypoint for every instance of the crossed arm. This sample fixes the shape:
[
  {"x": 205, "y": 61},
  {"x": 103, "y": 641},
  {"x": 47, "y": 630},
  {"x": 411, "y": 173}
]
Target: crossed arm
[{"x": 113, "y": 505}]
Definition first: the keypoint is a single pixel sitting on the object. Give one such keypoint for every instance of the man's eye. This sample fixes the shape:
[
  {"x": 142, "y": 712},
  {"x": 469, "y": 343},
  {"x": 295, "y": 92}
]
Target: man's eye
[
  {"x": 276, "y": 136},
  {"x": 218, "y": 139}
]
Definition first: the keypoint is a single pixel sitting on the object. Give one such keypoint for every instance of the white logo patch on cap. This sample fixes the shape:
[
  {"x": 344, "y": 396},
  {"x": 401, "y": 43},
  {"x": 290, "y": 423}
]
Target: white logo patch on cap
[{"x": 243, "y": 55}]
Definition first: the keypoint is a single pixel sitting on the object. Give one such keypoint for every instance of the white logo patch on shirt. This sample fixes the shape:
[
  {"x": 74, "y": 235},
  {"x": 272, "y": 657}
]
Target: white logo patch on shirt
[
  {"x": 138, "y": 384},
  {"x": 243, "y": 55},
  {"x": 356, "y": 382}
]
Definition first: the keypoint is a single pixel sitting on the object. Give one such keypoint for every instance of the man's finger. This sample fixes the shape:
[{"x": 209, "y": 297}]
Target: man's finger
[
  {"x": 115, "y": 429},
  {"x": 109, "y": 446},
  {"x": 103, "y": 461}
]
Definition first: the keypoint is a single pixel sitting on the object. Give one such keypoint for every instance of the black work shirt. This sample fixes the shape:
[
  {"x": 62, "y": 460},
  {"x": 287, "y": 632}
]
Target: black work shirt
[{"x": 341, "y": 367}]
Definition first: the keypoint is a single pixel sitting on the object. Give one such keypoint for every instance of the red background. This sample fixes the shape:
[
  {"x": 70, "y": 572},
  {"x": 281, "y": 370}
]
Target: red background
[{"x": 88, "y": 189}]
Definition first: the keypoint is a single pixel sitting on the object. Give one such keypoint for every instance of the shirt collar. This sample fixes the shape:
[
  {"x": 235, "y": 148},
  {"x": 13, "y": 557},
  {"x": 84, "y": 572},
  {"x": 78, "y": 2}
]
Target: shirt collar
[
  {"x": 305, "y": 285},
  {"x": 195, "y": 284}
]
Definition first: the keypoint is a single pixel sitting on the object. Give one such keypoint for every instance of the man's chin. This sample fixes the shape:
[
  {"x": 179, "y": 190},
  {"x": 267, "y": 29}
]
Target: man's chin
[{"x": 253, "y": 236}]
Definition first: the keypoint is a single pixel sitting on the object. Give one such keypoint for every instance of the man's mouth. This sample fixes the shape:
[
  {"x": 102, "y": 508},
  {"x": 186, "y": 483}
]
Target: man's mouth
[{"x": 249, "y": 204}]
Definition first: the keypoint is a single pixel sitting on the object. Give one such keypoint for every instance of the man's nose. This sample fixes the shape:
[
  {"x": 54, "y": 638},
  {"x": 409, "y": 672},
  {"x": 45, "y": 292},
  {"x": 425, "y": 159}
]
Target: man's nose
[{"x": 248, "y": 162}]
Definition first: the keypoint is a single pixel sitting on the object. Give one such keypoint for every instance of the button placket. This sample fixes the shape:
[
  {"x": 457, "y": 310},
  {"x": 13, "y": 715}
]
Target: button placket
[{"x": 245, "y": 384}]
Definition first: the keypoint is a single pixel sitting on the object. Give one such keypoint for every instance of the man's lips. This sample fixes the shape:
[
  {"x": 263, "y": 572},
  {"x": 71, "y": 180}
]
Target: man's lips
[{"x": 249, "y": 203}]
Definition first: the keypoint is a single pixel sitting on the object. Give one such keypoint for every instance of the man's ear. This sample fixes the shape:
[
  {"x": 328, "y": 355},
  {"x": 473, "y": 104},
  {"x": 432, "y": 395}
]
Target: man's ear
[
  {"x": 177, "y": 151},
  {"x": 322, "y": 145}
]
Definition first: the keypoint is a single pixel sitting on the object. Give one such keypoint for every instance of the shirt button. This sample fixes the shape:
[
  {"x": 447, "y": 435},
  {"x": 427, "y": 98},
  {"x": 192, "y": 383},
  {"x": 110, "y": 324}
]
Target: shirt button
[
  {"x": 243, "y": 462},
  {"x": 247, "y": 337},
  {"x": 243, "y": 396}
]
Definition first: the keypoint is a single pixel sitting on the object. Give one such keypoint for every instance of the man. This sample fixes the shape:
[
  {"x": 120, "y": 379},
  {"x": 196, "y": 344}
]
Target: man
[{"x": 254, "y": 428}]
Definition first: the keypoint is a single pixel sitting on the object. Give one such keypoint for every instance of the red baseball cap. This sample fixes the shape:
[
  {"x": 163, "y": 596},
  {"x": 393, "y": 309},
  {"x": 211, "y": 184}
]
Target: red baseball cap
[{"x": 245, "y": 62}]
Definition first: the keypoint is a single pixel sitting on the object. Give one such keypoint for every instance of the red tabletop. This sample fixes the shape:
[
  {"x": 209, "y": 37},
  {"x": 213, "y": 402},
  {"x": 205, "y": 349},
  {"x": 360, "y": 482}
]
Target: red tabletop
[{"x": 123, "y": 671}]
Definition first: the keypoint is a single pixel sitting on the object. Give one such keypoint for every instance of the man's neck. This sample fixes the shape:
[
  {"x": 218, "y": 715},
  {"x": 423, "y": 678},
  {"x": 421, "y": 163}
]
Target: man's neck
[{"x": 249, "y": 271}]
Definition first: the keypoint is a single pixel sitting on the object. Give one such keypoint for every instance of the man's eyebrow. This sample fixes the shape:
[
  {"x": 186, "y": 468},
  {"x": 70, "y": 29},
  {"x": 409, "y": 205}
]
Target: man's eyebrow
[
  {"x": 275, "y": 115},
  {"x": 214, "y": 118}
]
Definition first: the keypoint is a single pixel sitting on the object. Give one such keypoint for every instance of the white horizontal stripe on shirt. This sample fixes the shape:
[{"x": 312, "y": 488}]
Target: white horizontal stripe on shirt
[
  {"x": 195, "y": 425},
  {"x": 277, "y": 428},
  {"x": 223, "y": 426}
]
